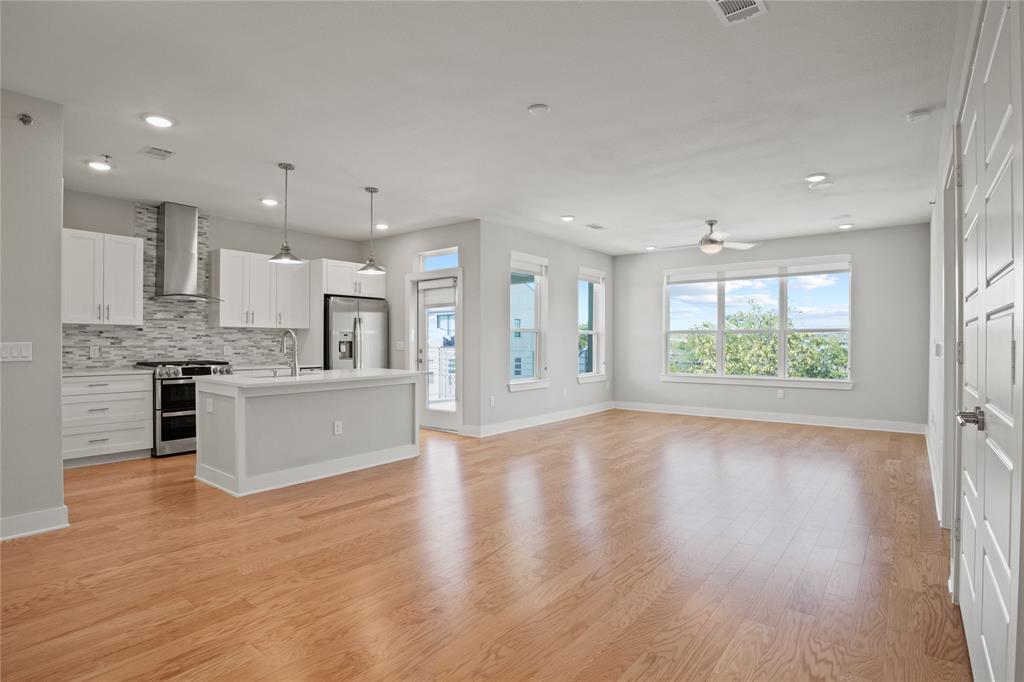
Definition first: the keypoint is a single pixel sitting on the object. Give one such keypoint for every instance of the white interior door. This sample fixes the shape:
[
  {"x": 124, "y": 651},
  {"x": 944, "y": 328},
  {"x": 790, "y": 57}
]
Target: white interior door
[
  {"x": 990, "y": 460},
  {"x": 437, "y": 354},
  {"x": 82, "y": 277},
  {"x": 122, "y": 280}
]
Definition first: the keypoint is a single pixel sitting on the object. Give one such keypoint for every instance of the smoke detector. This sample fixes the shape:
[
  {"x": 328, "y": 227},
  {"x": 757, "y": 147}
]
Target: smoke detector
[
  {"x": 157, "y": 153},
  {"x": 732, "y": 12}
]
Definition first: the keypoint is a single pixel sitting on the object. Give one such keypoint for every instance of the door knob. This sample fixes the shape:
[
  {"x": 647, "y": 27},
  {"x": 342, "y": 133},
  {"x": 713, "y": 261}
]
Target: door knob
[{"x": 975, "y": 416}]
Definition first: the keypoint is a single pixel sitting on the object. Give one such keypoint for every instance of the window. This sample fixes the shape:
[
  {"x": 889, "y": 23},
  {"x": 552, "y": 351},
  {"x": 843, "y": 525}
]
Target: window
[
  {"x": 760, "y": 322},
  {"x": 590, "y": 324},
  {"x": 527, "y": 303},
  {"x": 440, "y": 259}
]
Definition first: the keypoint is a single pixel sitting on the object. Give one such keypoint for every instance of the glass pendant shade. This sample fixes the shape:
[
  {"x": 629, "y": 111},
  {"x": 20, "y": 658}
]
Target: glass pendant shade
[{"x": 285, "y": 255}]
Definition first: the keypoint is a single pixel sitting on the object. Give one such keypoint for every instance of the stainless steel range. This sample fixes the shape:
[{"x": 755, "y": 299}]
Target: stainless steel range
[{"x": 174, "y": 402}]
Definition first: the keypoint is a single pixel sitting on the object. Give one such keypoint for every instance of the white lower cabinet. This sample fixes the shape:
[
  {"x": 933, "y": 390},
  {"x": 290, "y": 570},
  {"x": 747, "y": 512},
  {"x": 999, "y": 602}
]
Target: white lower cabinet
[{"x": 107, "y": 414}]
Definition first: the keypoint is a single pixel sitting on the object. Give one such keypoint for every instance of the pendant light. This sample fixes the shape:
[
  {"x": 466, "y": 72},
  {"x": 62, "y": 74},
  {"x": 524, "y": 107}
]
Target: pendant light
[
  {"x": 371, "y": 267},
  {"x": 285, "y": 255}
]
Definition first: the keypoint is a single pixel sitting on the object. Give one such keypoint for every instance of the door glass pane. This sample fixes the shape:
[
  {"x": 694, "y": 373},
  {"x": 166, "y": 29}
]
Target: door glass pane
[
  {"x": 440, "y": 347},
  {"x": 692, "y": 353},
  {"x": 585, "y": 297},
  {"x": 693, "y": 306},
  {"x": 819, "y": 301},
  {"x": 523, "y": 301},
  {"x": 439, "y": 261},
  {"x": 752, "y": 303},
  {"x": 522, "y": 355},
  {"x": 812, "y": 355},
  {"x": 752, "y": 354}
]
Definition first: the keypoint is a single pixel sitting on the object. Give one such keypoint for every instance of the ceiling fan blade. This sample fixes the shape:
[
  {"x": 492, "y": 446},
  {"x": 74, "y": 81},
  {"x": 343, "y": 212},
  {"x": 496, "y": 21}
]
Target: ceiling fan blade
[
  {"x": 741, "y": 246},
  {"x": 676, "y": 247},
  {"x": 720, "y": 236}
]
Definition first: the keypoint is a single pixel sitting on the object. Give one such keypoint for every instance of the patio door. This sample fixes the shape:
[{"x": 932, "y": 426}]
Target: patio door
[
  {"x": 437, "y": 353},
  {"x": 989, "y": 509}
]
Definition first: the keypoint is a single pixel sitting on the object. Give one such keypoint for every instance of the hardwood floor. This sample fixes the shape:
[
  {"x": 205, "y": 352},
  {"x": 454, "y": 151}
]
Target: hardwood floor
[{"x": 617, "y": 546}]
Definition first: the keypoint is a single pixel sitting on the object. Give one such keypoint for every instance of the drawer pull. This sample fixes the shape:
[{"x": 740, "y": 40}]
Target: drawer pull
[
  {"x": 99, "y": 440},
  {"x": 97, "y": 385},
  {"x": 98, "y": 409}
]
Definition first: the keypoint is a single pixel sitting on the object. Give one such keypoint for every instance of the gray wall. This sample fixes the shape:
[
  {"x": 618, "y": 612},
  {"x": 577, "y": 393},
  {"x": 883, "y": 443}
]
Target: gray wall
[
  {"x": 84, "y": 211},
  {"x": 889, "y": 337},
  {"x": 30, "y": 242},
  {"x": 400, "y": 255},
  {"x": 564, "y": 261}
]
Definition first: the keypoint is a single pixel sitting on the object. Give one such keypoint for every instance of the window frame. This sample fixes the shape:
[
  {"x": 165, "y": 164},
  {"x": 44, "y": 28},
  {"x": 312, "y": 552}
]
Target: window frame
[
  {"x": 536, "y": 266},
  {"x": 422, "y": 256},
  {"x": 597, "y": 279},
  {"x": 783, "y": 270}
]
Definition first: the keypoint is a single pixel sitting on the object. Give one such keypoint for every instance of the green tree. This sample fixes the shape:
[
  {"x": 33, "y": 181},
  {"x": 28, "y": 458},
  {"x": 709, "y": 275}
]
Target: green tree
[{"x": 810, "y": 355}]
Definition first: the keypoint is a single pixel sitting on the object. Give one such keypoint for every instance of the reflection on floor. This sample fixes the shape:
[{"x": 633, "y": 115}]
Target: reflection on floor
[{"x": 616, "y": 545}]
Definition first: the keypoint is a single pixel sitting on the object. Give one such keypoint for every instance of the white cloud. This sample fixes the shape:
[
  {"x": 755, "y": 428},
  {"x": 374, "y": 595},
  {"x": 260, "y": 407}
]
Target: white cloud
[{"x": 809, "y": 282}]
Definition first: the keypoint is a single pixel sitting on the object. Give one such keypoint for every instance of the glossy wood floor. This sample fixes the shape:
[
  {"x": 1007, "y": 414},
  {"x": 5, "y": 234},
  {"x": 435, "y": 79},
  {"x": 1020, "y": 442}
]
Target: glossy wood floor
[{"x": 618, "y": 546}]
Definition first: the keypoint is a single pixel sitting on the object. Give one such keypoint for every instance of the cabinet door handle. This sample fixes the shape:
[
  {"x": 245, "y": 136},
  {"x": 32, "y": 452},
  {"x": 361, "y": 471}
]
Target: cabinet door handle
[
  {"x": 99, "y": 312},
  {"x": 99, "y": 440},
  {"x": 97, "y": 385},
  {"x": 108, "y": 312},
  {"x": 99, "y": 409}
]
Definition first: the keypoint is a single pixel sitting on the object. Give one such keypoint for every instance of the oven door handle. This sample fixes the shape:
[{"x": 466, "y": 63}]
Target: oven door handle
[
  {"x": 184, "y": 413},
  {"x": 177, "y": 381}
]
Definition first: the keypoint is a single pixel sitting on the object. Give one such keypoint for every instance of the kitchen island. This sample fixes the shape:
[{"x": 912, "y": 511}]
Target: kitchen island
[{"x": 260, "y": 433}]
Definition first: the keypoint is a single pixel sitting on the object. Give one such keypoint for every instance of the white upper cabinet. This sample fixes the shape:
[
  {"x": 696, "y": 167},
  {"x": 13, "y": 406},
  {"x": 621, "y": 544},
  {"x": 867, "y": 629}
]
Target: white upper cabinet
[
  {"x": 293, "y": 295},
  {"x": 370, "y": 285},
  {"x": 122, "y": 280},
  {"x": 256, "y": 292},
  {"x": 102, "y": 278},
  {"x": 340, "y": 278}
]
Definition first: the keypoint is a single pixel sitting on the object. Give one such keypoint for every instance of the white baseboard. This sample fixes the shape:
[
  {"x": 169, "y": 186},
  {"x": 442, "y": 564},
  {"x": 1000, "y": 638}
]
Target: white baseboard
[
  {"x": 250, "y": 485},
  {"x": 486, "y": 430},
  {"x": 782, "y": 417},
  {"x": 20, "y": 525},
  {"x": 107, "y": 459}
]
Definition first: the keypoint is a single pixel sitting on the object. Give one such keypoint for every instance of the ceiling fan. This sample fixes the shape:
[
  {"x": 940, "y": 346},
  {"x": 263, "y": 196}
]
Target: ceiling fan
[{"x": 713, "y": 242}]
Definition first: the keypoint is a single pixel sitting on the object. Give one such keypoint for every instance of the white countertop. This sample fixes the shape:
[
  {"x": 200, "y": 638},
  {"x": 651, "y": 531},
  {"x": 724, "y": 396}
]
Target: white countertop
[
  {"x": 108, "y": 371},
  {"x": 334, "y": 376}
]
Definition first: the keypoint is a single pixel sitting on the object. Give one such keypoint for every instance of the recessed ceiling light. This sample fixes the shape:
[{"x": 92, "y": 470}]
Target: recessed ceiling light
[
  {"x": 846, "y": 226},
  {"x": 157, "y": 121},
  {"x": 816, "y": 177},
  {"x": 650, "y": 248},
  {"x": 568, "y": 218},
  {"x": 267, "y": 201},
  {"x": 381, "y": 226},
  {"x": 919, "y": 115},
  {"x": 101, "y": 165},
  {"x": 539, "y": 109},
  {"x": 821, "y": 184}
]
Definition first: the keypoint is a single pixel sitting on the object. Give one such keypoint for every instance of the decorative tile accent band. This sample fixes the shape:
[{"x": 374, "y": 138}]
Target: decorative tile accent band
[{"x": 172, "y": 329}]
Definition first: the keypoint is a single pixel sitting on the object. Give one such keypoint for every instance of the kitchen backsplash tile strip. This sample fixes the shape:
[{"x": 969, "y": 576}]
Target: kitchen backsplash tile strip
[{"x": 172, "y": 329}]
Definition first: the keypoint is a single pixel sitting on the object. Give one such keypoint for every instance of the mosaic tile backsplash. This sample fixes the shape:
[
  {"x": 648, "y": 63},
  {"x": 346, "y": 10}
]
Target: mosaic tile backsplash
[{"x": 174, "y": 330}]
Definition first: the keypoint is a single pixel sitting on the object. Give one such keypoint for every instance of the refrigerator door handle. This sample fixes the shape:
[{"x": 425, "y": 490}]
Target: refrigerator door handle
[
  {"x": 357, "y": 350},
  {"x": 359, "y": 340}
]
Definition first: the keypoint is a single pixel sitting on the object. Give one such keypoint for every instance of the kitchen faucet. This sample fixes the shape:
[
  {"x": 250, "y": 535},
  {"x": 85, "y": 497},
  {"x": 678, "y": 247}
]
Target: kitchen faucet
[{"x": 294, "y": 361}]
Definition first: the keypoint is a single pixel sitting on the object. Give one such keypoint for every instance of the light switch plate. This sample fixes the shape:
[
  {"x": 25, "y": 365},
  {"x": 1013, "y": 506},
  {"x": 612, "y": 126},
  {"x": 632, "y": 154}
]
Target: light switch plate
[
  {"x": 209, "y": 404},
  {"x": 16, "y": 351},
  {"x": 337, "y": 428}
]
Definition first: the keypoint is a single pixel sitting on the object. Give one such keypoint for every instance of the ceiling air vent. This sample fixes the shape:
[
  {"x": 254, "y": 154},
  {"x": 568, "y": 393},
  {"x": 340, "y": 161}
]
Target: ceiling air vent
[
  {"x": 595, "y": 226},
  {"x": 735, "y": 11},
  {"x": 157, "y": 153}
]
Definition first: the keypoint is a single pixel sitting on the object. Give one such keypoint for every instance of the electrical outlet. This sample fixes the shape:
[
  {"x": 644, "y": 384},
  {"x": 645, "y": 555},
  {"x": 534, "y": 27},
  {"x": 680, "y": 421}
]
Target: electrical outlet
[
  {"x": 337, "y": 428},
  {"x": 565, "y": 392},
  {"x": 780, "y": 394},
  {"x": 94, "y": 352},
  {"x": 209, "y": 404},
  {"x": 227, "y": 351},
  {"x": 492, "y": 401}
]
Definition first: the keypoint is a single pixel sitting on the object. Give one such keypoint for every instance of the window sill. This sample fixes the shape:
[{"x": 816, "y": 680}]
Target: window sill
[
  {"x": 527, "y": 385},
  {"x": 591, "y": 378},
  {"x": 830, "y": 384}
]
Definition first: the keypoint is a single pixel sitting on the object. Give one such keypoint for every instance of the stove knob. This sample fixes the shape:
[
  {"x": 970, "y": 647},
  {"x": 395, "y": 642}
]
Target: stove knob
[{"x": 227, "y": 369}]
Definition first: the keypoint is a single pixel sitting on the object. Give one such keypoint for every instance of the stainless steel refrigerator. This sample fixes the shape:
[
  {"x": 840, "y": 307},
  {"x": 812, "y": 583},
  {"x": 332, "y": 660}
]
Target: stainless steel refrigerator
[{"x": 355, "y": 332}]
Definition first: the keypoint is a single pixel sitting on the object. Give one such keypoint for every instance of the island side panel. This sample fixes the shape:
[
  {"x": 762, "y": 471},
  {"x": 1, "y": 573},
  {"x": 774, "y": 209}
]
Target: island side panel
[
  {"x": 216, "y": 435},
  {"x": 286, "y": 432}
]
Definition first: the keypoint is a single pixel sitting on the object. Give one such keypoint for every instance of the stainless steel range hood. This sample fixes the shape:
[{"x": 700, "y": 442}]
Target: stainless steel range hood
[{"x": 177, "y": 253}]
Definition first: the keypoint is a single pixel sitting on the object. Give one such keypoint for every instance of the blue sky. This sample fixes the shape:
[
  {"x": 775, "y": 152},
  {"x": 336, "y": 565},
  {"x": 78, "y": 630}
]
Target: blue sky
[{"x": 815, "y": 301}]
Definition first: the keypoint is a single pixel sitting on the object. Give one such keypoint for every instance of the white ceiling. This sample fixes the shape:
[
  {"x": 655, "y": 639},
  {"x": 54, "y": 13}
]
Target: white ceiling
[{"x": 661, "y": 115}]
